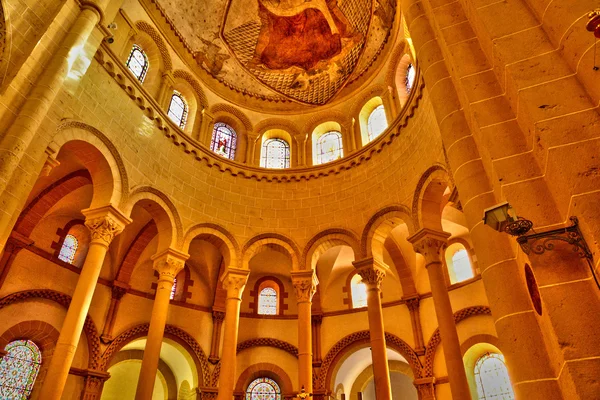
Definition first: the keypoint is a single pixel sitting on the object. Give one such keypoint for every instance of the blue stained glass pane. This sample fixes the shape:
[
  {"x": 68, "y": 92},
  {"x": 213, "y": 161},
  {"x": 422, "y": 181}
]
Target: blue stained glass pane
[
  {"x": 491, "y": 377},
  {"x": 329, "y": 147},
  {"x": 275, "y": 154},
  {"x": 377, "y": 122},
  {"x": 267, "y": 301},
  {"x": 138, "y": 62},
  {"x": 19, "y": 369},
  {"x": 224, "y": 140},
  {"x": 178, "y": 110},
  {"x": 263, "y": 389},
  {"x": 68, "y": 249}
]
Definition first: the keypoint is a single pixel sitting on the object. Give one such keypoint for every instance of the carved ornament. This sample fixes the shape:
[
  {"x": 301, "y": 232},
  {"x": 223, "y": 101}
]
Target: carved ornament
[
  {"x": 234, "y": 280},
  {"x": 169, "y": 263},
  {"x": 305, "y": 284},
  {"x": 430, "y": 244},
  {"x": 105, "y": 223},
  {"x": 371, "y": 271}
]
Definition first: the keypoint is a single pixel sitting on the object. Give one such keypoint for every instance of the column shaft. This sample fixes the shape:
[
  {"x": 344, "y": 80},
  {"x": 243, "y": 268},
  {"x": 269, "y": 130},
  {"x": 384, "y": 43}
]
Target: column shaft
[
  {"x": 156, "y": 331},
  {"x": 305, "y": 346},
  {"x": 70, "y": 333}
]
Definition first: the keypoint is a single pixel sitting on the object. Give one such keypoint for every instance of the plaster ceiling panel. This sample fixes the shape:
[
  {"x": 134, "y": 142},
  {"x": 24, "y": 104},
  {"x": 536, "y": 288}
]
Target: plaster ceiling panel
[{"x": 304, "y": 51}]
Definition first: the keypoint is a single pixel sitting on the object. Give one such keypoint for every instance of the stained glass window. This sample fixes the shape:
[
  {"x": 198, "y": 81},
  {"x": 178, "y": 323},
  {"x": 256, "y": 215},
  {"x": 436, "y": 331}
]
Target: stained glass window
[
  {"x": 138, "y": 62},
  {"x": 461, "y": 266},
  {"x": 68, "y": 249},
  {"x": 173, "y": 289},
  {"x": 359, "y": 292},
  {"x": 263, "y": 389},
  {"x": 224, "y": 140},
  {"x": 377, "y": 122},
  {"x": 410, "y": 77},
  {"x": 18, "y": 369},
  {"x": 178, "y": 109},
  {"x": 275, "y": 154},
  {"x": 491, "y": 377},
  {"x": 267, "y": 301},
  {"x": 329, "y": 147}
]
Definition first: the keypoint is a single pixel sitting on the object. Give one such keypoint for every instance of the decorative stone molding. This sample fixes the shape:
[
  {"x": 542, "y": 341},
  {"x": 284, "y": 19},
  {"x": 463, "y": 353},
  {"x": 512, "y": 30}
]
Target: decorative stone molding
[
  {"x": 143, "y": 26},
  {"x": 105, "y": 223},
  {"x": 227, "y": 109},
  {"x": 94, "y": 380},
  {"x": 417, "y": 199},
  {"x": 169, "y": 263},
  {"x": 412, "y": 302},
  {"x": 436, "y": 339},
  {"x": 234, "y": 280},
  {"x": 118, "y": 290},
  {"x": 371, "y": 272},
  {"x": 322, "y": 377},
  {"x": 268, "y": 342},
  {"x": 186, "y": 76},
  {"x": 91, "y": 333},
  {"x": 430, "y": 244},
  {"x": 305, "y": 284},
  {"x": 170, "y": 330},
  {"x": 425, "y": 388},
  {"x": 117, "y": 70}
]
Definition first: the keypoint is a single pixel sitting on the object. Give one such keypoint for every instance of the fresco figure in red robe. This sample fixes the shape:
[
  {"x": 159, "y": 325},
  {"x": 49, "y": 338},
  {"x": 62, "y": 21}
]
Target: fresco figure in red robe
[{"x": 313, "y": 34}]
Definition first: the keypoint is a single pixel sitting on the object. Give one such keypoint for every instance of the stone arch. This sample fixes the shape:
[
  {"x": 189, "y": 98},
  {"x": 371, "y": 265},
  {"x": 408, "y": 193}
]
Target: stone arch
[
  {"x": 186, "y": 76},
  {"x": 193, "y": 102},
  {"x": 164, "y": 213},
  {"x": 361, "y": 99},
  {"x": 238, "y": 121},
  {"x": 326, "y": 240},
  {"x": 348, "y": 344},
  {"x": 268, "y": 342},
  {"x": 277, "y": 123},
  {"x": 102, "y": 160},
  {"x": 335, "y": 116},
  {"x": 218, "y": 237},
  {"x": 380, "y": 225},
  {"x": 274, "y": 241},
  {"x": 234, "y": 112},
  {"x": 399, "y": 51},
  {"x": 137, "y": 246},
  {"x": 91, "y": 333},
  {"x": 265, "y": 370},
  {"x": 163, "y": 367},
  {"x": 171, "y": 332},
  {"x": 428, "y": 199},
  {"x": 436, "y": 339},
  {"x": 148, "y": 29}
]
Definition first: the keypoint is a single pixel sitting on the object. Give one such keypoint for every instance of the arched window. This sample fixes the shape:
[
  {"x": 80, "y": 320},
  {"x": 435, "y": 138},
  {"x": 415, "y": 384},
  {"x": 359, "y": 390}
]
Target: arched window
[
  {"x": 491, "y": 377},
  {"x": 263, "y": 389},
  {"x": 178, "y": 109},
  {"x": 267, "y": 301},
  {"x": 329, "y": 147},
  {"x": 459, "y": 264},
  {"x": 138, "y": 62},
  {"x": 359, "y": 292},
  {"x": 173, "y": 289},
  {"x": 410, "y": 77},
  {"x": 377, "y": 122},
  {"x": 18, "y": 369},
  {"x": 68, "y": 249},
  {"x": 275, "y": 154},
  {"x": 224, "y": 140}
]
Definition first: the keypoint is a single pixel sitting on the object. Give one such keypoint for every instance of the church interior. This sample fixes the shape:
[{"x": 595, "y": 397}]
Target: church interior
[{"x": 295, "y": 199}]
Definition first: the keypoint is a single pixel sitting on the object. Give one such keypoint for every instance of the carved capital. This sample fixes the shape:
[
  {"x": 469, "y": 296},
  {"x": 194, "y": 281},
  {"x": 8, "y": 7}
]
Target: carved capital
[
  {"x": 93, "y": 384},
  {"x": 168, "y": 264},
  {"x": 119, "y": 289},
  {"x": 305, "y": 284},
  {"x": 105, "y": 223},
  {"x": 371, "y": 271},
  {"x": 430, "y": 244},
  {"x": 426, "y": 388},
  {"x": 412, "y": 302},
  {"x": 317, "y": 319},
  {"x": 51, "y": 161},
  {"x": 218, "y": 316},
  {"x": 234, "y": 280}
]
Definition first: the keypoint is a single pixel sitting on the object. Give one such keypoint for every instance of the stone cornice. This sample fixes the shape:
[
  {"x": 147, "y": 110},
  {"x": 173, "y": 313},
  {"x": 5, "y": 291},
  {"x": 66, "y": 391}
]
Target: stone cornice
[{"x": 118, "y": 71}]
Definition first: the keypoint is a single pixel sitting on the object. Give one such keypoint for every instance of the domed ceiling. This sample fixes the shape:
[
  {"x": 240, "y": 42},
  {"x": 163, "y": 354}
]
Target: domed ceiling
[{"x": 305, "y": 51}]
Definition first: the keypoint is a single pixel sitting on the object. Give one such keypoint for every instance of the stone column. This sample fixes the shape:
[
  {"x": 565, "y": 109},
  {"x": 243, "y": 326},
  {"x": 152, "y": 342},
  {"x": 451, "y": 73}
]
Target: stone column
[
  {"x": 206, "y": 127},
  {"x": 166, "y": 87},
  {"x": 372, "y": 274},
  {"x": 104, "y": 224},
  {"x": 18, "y": 137},
  {"x": 389, "y": 102},
  {"x": 413, "y": 302},
  {"x": 234, "y": 280},
  {"x": 118, "y": 291},
  {"x": 168, "y": 264},
  {"x": 317, "y": 320},
  {"x": 431, "y": 244},
  {"x": 305, "y": 283},
  {"x": 218, "y": 317}
]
